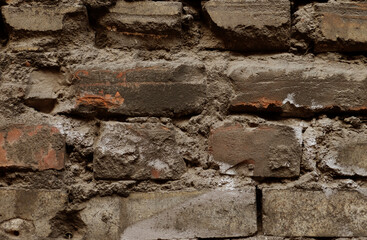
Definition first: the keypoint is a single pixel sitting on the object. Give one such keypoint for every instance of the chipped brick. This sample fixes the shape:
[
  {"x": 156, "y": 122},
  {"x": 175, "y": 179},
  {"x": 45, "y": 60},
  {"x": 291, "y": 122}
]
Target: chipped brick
[
  {"x": 265, "y": 151},
  {"x": 251, "y": 25},
  {"x": 157, "y": 90},
  {"x": 312, "y": 213},
  {"x": 137, "y": 151},
  {"x": 31, "y": 147}
]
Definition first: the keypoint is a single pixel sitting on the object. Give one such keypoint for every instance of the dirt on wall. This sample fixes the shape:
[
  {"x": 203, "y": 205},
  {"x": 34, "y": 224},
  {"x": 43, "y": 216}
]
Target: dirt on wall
[{"x": 218, "y": 119}]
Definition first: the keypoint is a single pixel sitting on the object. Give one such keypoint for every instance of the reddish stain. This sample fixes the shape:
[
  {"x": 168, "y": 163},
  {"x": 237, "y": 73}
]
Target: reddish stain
[
  {"x": 3, "y": 159},
  {"x": 84, "y": 72},
  {"x": 102, "y": 101},
  {"x": 358, "y": 108},
  {"x": 14, "y": 135},
  {"x": 226, "y": 128},
  {"x": 154, "y": 36},
  {"x": 261, "y": 103},
  {"x": 35, "y": 131},
  {"x": 54, "y": 130},
  {"x": 49, "y": 160},
  {"x": 155, "y": 173}
]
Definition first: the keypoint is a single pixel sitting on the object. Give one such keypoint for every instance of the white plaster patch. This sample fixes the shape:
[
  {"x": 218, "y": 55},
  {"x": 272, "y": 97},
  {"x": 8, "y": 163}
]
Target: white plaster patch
[
  {"x": 158, "y": 164},
  {"x": 315, "y": 106},
  {"x": 348, "y": 170},
  {"x": 298, "y": 133},
  {"x": 290, "y": 99},
  {"x": 227, "y": 183}
]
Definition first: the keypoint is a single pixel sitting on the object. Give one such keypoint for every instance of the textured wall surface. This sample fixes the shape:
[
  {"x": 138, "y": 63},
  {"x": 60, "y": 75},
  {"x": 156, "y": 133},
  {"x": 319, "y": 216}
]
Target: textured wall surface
[{"x": 183, "y": 119}]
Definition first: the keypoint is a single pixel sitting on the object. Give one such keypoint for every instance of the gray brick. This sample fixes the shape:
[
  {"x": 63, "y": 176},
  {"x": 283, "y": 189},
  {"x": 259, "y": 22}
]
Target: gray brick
[
  {"x": 137, "y": 151},
  {"x": 311, "y": 213}
]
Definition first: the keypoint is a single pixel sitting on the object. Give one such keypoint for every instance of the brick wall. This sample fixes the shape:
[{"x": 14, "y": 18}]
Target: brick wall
[{"x": 217, "y": 119}]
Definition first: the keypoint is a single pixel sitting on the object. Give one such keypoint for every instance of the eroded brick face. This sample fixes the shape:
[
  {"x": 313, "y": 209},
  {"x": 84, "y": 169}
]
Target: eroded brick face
[
  {"x": 297, "y": 88},
  {"x": 32, "y": 147},
  {"x": 137, "y": 151},
  {"x": 250, "y": 25},
  {"x": 318, "y": 22},
  {"x": 264, "y": 151},
  {"x": 326, "y": 213},
  {"x": 146, "y": 24},
  {"x": 156, "y": 90},
  {"x": 27, "y": 213}
]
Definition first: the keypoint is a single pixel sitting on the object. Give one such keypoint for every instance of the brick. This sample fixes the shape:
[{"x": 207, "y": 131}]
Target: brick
[
  {"x": 137, "y": 151},
  {"x": 343, "y": 152},
  {"x": 311, "y": 213},
  {"x": 38, "y": 18},
  {"x": 264, "y": 151},
  {"x": 102, "y": 218},
  {"x": 31, "y": 147},
  {"x": 178, "y": 215},
  {"x": 136, "y": 24},
  {"x": 297, "y": 87},
  {"x": 251, "y": 25},
  {"x": 317, "y": 22},
  {"x": 157, "y": 90},
  {"x": 26, "y": 214}
]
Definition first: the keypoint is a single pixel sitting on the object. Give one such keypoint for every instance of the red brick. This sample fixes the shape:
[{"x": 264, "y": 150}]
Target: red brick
[
  {"x": 157, "y": 90},
  {"x": 265, "y": 151},
  {"x": 297, "y": 87},
  {"x": 32, "y": 147}
]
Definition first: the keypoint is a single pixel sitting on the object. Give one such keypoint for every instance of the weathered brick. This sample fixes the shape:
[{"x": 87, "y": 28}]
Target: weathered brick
[
  {"x": 180, "y": 215},
  {"x": 46, "y": 27},
  {"x": 251, "y": 25},
  {"x": 137, "y": 151},
  {"x": 264, "y": 151},
  {"x": 26, "y": 214},
  {"x": 38, "y": 18},
  {"x": 141, "y": 24},
  {"x": 328, "y": 213},
  {"x": 342, "y": 151},
  {"x": 102, "y": 218},
  {"x": 157, "y": 90},
  {"x": 334, "y": 26},
  {"x": 297, "y": 87},
  {"x": 32, "y": 147}
]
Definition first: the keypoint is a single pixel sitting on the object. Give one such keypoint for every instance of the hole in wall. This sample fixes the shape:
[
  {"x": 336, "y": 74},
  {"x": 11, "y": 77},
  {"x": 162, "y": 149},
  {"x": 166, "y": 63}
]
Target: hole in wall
[{"x": 4, "y": 36}]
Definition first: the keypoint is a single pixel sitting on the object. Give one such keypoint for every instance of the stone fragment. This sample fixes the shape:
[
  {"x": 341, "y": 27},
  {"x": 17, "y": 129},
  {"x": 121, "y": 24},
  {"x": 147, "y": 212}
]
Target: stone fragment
[
  {"x": 177, "y": 215},
  {"x": 251, "y": 25},
  {"x": 31, "y": 147},
  {"x": 318, "y": 22},
  {"x": 137, "y": 151},
  {"x": 264, "y": 151},
  {"x": 102, "y": 218},
  {"x": 297, "y": 87},
  {"x": 43, "y": 90},
  {"x": 311, "y": 213},
  {"x": 342, "y": 151},
  {"x": 156, "y": 90},
  {"x": 38, "y": 18},
  {"x": 141, "y": 24},
  {"x": 26, "y": 214}
]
